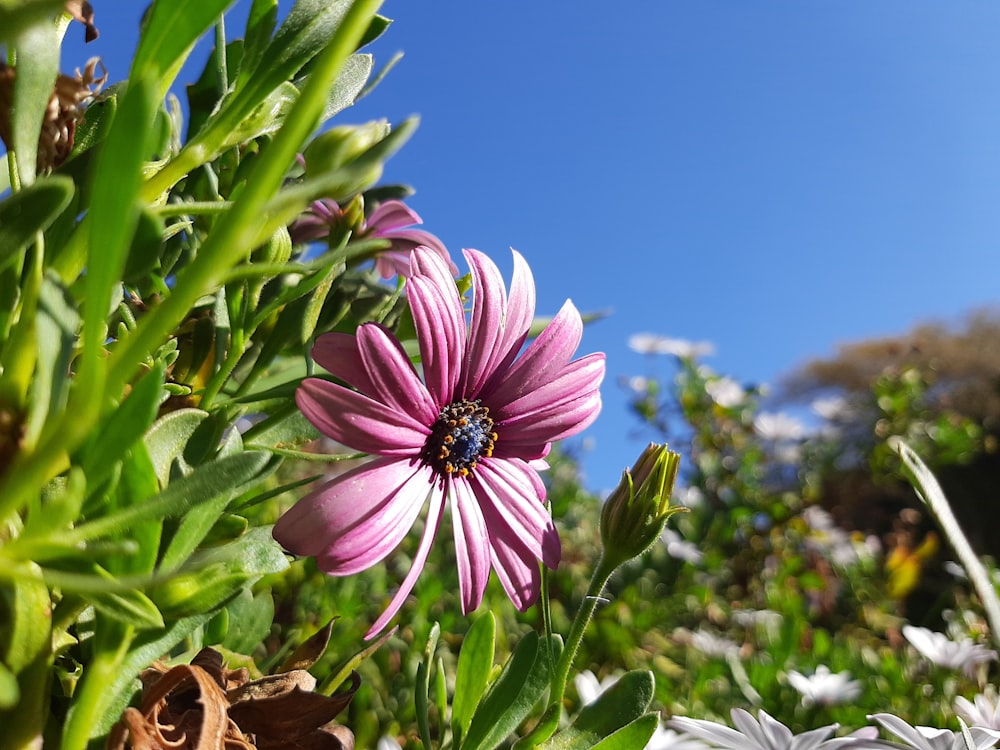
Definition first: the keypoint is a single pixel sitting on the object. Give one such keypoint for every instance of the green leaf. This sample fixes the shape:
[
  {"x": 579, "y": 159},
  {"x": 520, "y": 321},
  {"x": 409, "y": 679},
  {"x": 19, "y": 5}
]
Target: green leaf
[
  {"x": 123, "y": 427},
  {"x": 623, "y": 702},
  {"x": 38, "y": 65},
  {"x": 475, "y": 662},
  {"x": 285, "y": 428},
  {"x": 349, "y": 85},
  {"x": 216, "y": 575},
  {"x": 250, "y": 618},
  {"x": 260, "y": 25},
  {"x": 634, "y": 735},
  {"x": 221, "y": 477},
  {"x": 169, "y": 33},
  {"x": 56, "y": 327},
  {"x": 511, "y": 698},
  {"x": 18, "y": 15},
  {"x": 168, "y": 437},
  {"x": 112, "y": 218},
  {"x": 423, "y": 681},
  {"x": 26, "y": 648},
  {"x": 30, "y": 211},
  {"x": 199, "y": 520},
  {"x": 129, "y": 606},
  {"x": 9, "y": 691}
]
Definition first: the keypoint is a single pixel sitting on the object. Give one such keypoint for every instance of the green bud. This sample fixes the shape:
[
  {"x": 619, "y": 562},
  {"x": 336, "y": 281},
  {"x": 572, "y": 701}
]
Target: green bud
[
  {"x": 277, "y": 249},
  {"x": 339, "y": 146},
  {"x": 634, "y": 514}
]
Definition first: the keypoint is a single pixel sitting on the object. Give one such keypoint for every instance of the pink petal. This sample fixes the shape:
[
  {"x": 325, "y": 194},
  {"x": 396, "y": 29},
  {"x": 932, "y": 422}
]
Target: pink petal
[
  {"x": 518, "y": 573},
  {"x": 472, "y": 549},
  {"x": 380, "y": 533},
  {"x": 440, "y": 322},
  {"x": 338, "y": 354},
  {"x": 379, "y": 493},
  {"x": 512, "y": 499},
  {"x": 581, "y": 376},
  {"x": 360, "y": 422},
  {"x": 542, "y": 361},
  {"x": 486, "y": 329},
  {"x": 392, "y": 215},
  {"x": 569, "y": 419},
  {"x": 519, "y": 315},
  {"x": 432, "y": 523},
  {"x": 395, "y": 381}
]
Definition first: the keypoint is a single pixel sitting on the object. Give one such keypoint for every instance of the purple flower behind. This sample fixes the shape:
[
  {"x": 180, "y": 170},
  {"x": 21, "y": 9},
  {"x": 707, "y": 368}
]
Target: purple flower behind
[
  {"x": 389, "y": 221},
  {"x": 472, "y": 432}
]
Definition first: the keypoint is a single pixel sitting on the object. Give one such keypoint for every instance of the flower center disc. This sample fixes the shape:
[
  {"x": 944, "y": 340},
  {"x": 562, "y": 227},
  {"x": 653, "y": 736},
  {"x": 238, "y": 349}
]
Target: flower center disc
[{"x": 461, "y": 435}]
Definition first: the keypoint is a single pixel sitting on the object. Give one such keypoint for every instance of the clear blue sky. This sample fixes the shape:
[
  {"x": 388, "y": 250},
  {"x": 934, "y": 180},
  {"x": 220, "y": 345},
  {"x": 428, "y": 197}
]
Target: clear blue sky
[{"x": 774, "y": 177}]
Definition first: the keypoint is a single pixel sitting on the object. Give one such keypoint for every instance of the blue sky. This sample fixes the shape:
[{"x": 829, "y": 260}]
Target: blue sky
[{"x": 774, "y": 177}]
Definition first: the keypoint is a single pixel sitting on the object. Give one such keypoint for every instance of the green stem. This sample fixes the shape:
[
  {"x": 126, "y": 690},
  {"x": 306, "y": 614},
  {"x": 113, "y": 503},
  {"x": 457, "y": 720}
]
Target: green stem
[
  {"x": 91, "y": 698},
  {"x": 549, "y": 722}
]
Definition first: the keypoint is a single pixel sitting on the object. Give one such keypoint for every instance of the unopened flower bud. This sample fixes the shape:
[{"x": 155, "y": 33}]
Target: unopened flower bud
[
  {"x": 341, "y": 145},
  {"x": 635, "y": 513}
]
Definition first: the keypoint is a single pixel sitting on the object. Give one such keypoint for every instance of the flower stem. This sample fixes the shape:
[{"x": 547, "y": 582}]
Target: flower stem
[{"x": 550, "y": 719}]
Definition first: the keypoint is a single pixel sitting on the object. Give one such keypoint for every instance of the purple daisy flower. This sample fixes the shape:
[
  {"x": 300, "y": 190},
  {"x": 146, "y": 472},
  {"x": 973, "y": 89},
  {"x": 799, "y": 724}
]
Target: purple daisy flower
[
  {"x": 389, "y": 221},
  {"x": 472, "y": 433}
]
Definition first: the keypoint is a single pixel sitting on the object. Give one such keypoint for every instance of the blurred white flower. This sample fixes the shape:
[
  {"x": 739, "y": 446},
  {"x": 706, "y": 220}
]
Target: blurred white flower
[
  {"x": 386, "y": 742},
  {"x": 638, "y": 384},
  {"x": 831, "y": 541},
  {"x": 766, "y": 621},
  {"x": 778, "y": 426},
  {"x": 651, "y": 343},
  {"x": 589, "y": 688},
  {"x": 681, "y": 549},
  {"x": 762, "y": 733},
  {"x": 711, "y": 644},
  {"x": 941, "y": 650},
  {"x": 981, "y": 711},
  {"x": 689, "y": 497},
  {"x": 929, "y": 738},
  {"x": 668, "y": 739},
  {"x": 726, "y": 392},
  {"x": 830, "y": 407},
  {"x": 824, "y": 688}
]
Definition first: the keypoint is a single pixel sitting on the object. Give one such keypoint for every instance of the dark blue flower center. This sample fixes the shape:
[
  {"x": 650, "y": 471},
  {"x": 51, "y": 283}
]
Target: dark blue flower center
[{"x": 461, "y": 435}]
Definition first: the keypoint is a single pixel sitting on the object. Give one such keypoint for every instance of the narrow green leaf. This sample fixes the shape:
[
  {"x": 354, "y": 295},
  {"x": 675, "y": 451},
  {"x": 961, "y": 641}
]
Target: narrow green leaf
[
  {"x": 511, "y": 698},
  {"x": 129, "y": 606},
  {"x": 214, "y": 576},
  {"x": 260, "y": 25},
  {"x": 38, "y": 66},
  {"x": 56, "y": 328},
  {"x": 123, "y": 427},
  {"x": 32, "y": 210},
  {"x": 210, "y": 480},
  {"x": 423, "y": 684},
  {"x": 475, "y": 662},
  {"x": 168, "y": 35},
  {"x": 112, "y": 218},
  {"x": 623, "y": 702},
  {"x": 60, "y": 507}
]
